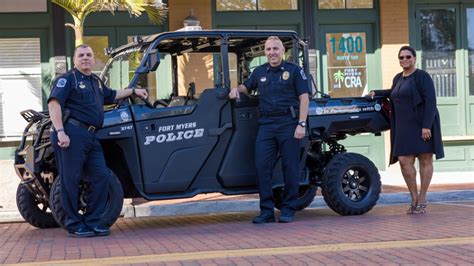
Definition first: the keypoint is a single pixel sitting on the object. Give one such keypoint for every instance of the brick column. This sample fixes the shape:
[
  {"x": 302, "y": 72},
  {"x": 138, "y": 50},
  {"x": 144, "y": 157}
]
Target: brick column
[
  {"x": 394, "y": 33},
  {"x": 178, "y": 10}
]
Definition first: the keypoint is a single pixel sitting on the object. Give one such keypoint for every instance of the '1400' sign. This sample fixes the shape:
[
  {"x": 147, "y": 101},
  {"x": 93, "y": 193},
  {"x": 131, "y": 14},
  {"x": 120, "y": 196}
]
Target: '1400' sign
[{"x": 347, "y": 67}]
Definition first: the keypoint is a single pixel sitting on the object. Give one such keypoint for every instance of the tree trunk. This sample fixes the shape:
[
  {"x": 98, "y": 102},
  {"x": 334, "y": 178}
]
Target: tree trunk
[
  {"x": 78, "y": 28},
  {"x": 77, "y": 33}
]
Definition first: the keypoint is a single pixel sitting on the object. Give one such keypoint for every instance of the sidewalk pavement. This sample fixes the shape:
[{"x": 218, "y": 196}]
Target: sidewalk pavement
[{"x": 446, "y": 186}]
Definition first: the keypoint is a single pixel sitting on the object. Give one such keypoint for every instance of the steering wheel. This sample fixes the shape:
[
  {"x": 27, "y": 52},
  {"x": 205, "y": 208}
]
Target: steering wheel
[
  {"x": 146, "y": 101},
  {"x": 159, "y": 102}
]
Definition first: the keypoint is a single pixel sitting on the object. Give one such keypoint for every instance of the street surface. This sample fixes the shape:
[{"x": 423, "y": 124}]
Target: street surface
[{"x": 384, "y": 236}]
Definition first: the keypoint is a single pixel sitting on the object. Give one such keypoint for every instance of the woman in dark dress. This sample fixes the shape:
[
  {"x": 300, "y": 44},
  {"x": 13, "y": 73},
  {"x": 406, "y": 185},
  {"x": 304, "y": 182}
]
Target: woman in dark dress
[{"x": 414, "y": 127}]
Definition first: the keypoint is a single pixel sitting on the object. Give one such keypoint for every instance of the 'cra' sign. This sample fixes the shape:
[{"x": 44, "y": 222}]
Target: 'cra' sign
[{"x": 347, "y": 66}]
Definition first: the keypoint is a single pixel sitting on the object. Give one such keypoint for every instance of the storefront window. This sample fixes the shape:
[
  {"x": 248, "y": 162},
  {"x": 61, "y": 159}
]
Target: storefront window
[
  {"x": 253, "y": 5},
  {"x": 20, "y": 83},
  {"x": 98, "y": 44},
  {"x": 345, "y": 4},
  {"x": 438, "y": 44},
  {"x": 347, "y": 64},
  {"x": 277, "y": 5},
  {"x": 7, "y": 6},
  {"x": 332, "y": 4},
  {"x": 470, "y": 47}
]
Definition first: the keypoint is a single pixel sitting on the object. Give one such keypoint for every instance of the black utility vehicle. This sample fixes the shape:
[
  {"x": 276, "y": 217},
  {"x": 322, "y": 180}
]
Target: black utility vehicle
[{"x": 189, "y": 138}]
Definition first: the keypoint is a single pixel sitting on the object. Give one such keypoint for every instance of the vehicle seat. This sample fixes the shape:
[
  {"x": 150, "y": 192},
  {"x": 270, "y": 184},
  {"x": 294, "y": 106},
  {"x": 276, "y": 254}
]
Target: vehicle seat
[
  {"x": 177, "y": 101},
  {"x": 185, "y": 100}
]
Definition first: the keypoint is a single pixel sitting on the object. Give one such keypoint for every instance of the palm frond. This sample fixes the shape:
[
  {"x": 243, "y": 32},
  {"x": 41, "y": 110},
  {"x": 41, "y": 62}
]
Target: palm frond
[
  {"x": 156, "y": 13},
  {"x": 68, "y": 5},
  {"x": 156, "y": 10},
  {"x": 80, "y": 9}
]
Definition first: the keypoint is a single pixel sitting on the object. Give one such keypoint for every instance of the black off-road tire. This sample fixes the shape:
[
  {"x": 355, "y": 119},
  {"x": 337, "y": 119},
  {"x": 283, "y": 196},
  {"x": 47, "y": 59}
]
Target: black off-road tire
[
  {"x": 33, "y": 211},
  {"x": 351, "y": 184},
  {"x": 305, "y": 197},
  {"x": 112, "y": 208}
]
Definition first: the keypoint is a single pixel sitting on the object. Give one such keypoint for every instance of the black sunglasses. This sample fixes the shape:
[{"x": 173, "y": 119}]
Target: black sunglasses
[{"x": 405, "y": 57}]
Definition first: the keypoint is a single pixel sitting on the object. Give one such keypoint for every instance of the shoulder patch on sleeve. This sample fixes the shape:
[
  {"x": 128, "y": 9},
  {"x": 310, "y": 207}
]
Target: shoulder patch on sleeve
[
  {"x": 61, "y": 83},
  {"x": 303, "y": 75}
]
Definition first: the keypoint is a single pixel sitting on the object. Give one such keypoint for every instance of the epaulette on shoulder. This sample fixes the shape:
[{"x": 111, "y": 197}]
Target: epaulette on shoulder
[
  {"x": 291, "y": 64},
  {"x": 66, "y": 75}
]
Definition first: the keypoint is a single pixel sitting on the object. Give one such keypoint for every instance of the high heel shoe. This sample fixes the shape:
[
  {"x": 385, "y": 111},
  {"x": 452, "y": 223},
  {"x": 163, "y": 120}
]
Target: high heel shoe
[
  {"x": 412, "y": 209},
  {"x": 421, "y": 208}
]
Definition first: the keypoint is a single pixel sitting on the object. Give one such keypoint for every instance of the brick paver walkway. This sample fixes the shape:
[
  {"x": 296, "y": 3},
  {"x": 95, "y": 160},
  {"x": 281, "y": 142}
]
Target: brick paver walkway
[{"x": 445, "y": 235}]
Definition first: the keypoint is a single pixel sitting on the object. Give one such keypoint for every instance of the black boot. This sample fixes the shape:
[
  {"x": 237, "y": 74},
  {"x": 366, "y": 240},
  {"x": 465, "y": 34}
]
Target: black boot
[
  {"x": 81, "y": 232},
  {"x": 264, "y": 218},
  {"x": 286, "y": 217}
]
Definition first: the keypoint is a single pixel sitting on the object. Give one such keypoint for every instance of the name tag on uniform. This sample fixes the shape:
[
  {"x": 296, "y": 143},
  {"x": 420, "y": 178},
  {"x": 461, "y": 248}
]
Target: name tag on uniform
[{"x": 263, "y": 79}]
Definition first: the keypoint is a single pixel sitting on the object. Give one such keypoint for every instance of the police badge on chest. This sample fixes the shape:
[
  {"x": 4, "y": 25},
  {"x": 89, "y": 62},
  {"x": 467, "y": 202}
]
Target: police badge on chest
[{"x": 82, "y": 85}]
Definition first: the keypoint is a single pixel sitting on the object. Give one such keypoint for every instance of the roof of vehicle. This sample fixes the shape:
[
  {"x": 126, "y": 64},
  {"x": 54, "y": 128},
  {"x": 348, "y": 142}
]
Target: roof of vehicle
[{"x": 179, "y": 39}]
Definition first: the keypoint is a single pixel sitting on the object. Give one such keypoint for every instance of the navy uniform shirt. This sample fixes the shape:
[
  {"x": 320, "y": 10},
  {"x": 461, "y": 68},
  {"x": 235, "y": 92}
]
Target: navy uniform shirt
[
  {"x": 83, "y": 95},
  {"x": 278, "y": 87}
]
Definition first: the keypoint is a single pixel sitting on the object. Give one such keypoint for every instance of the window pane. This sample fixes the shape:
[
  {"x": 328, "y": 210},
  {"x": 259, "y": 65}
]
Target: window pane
[
  {"x": 149, "y": 80},
  {"x": 23, "y": 6},
  {"x": 236, "y": 5},
  {"x": 98, "y": 44},
  {"x": 438, "y": 43},
  {"x": 331, "y": 4},
  {"x": 359, "y": 3},
  {"x": 20, "y": 82},
  {"x": 233, "y": 70},
  {"x": 470, "y": 47},
  {"x": 200, "y": 68},
  {"x": 278, "y": 5}
]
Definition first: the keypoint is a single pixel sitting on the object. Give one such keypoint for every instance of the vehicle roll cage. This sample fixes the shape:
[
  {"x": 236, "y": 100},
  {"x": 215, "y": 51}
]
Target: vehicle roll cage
[{"x": 244, "y": 43}]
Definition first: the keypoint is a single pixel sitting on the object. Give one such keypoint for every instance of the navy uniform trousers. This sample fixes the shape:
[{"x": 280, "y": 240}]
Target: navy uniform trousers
[
  {"x": 276, "y": 134},
  {"x": 83, "y": 159}
]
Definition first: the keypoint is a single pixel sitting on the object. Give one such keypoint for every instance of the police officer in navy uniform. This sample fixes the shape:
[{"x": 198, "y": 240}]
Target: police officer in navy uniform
[
  {"x": 77, "y": 149},
  {"x": 284, "y": 98}
]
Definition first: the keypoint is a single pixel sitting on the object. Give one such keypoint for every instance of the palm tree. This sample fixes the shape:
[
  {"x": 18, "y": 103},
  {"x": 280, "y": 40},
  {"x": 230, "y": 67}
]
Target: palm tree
[
  {"x": 338, "y": 76},
  {"x": 79, "y": 9}
]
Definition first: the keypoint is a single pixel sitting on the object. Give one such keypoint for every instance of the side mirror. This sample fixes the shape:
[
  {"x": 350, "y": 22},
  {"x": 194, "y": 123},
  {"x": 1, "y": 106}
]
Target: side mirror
[
  {"x": 153, "y": 60},
  {"x": 151, "y": 64}
]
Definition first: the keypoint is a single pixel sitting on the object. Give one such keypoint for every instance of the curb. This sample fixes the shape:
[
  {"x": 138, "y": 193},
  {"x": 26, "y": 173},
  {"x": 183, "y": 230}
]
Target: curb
[
  {"x": 207, "y": 207},
  {"x": 228, "y": 206}
]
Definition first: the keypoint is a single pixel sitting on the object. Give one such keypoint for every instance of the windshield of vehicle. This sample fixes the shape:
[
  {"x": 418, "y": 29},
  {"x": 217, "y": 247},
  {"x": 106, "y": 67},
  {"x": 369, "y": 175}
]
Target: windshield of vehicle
[
  {"x": 120, "y": 69},
  {"x": 191, "y": 64}
]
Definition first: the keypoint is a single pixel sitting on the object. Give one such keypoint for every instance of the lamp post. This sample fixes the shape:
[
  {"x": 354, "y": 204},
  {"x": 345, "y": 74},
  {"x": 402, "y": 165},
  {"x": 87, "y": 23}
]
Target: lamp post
[{"x": 191, "y": 22}]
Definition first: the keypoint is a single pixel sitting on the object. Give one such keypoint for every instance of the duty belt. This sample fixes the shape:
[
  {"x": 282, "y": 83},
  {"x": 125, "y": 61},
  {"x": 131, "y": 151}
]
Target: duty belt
[
  {"x": 78, "y": 123},
  {"x": 273, "y": 113},
  {"x": 290, "y": 110}
]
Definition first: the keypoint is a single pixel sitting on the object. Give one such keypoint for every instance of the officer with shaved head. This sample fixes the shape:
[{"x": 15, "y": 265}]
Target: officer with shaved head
[{"x": 284, "y": 98}]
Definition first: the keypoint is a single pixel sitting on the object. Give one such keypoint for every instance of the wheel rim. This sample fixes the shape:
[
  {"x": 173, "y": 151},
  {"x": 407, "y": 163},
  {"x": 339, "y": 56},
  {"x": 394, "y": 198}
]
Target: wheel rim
[
  {"x": 355, "y": 184},
  {"x": 84, "y": 189},
  {"x": 42, "y": 206}
]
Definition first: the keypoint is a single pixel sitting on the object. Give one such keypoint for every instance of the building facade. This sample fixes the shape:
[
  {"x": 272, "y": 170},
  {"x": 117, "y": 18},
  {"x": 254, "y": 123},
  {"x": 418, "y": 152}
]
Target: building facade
[{"x": 354, "y": 46}]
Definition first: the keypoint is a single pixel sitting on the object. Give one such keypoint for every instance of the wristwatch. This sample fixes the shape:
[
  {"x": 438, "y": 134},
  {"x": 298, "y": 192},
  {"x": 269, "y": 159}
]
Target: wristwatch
[
  {"x": 302, "y": 123},
  {"x": 133, "y": 91}
]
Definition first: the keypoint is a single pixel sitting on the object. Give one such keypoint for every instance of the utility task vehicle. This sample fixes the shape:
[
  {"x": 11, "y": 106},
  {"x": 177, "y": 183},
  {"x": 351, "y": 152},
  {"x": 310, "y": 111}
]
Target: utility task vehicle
[{"x": 189, "y": 138}]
